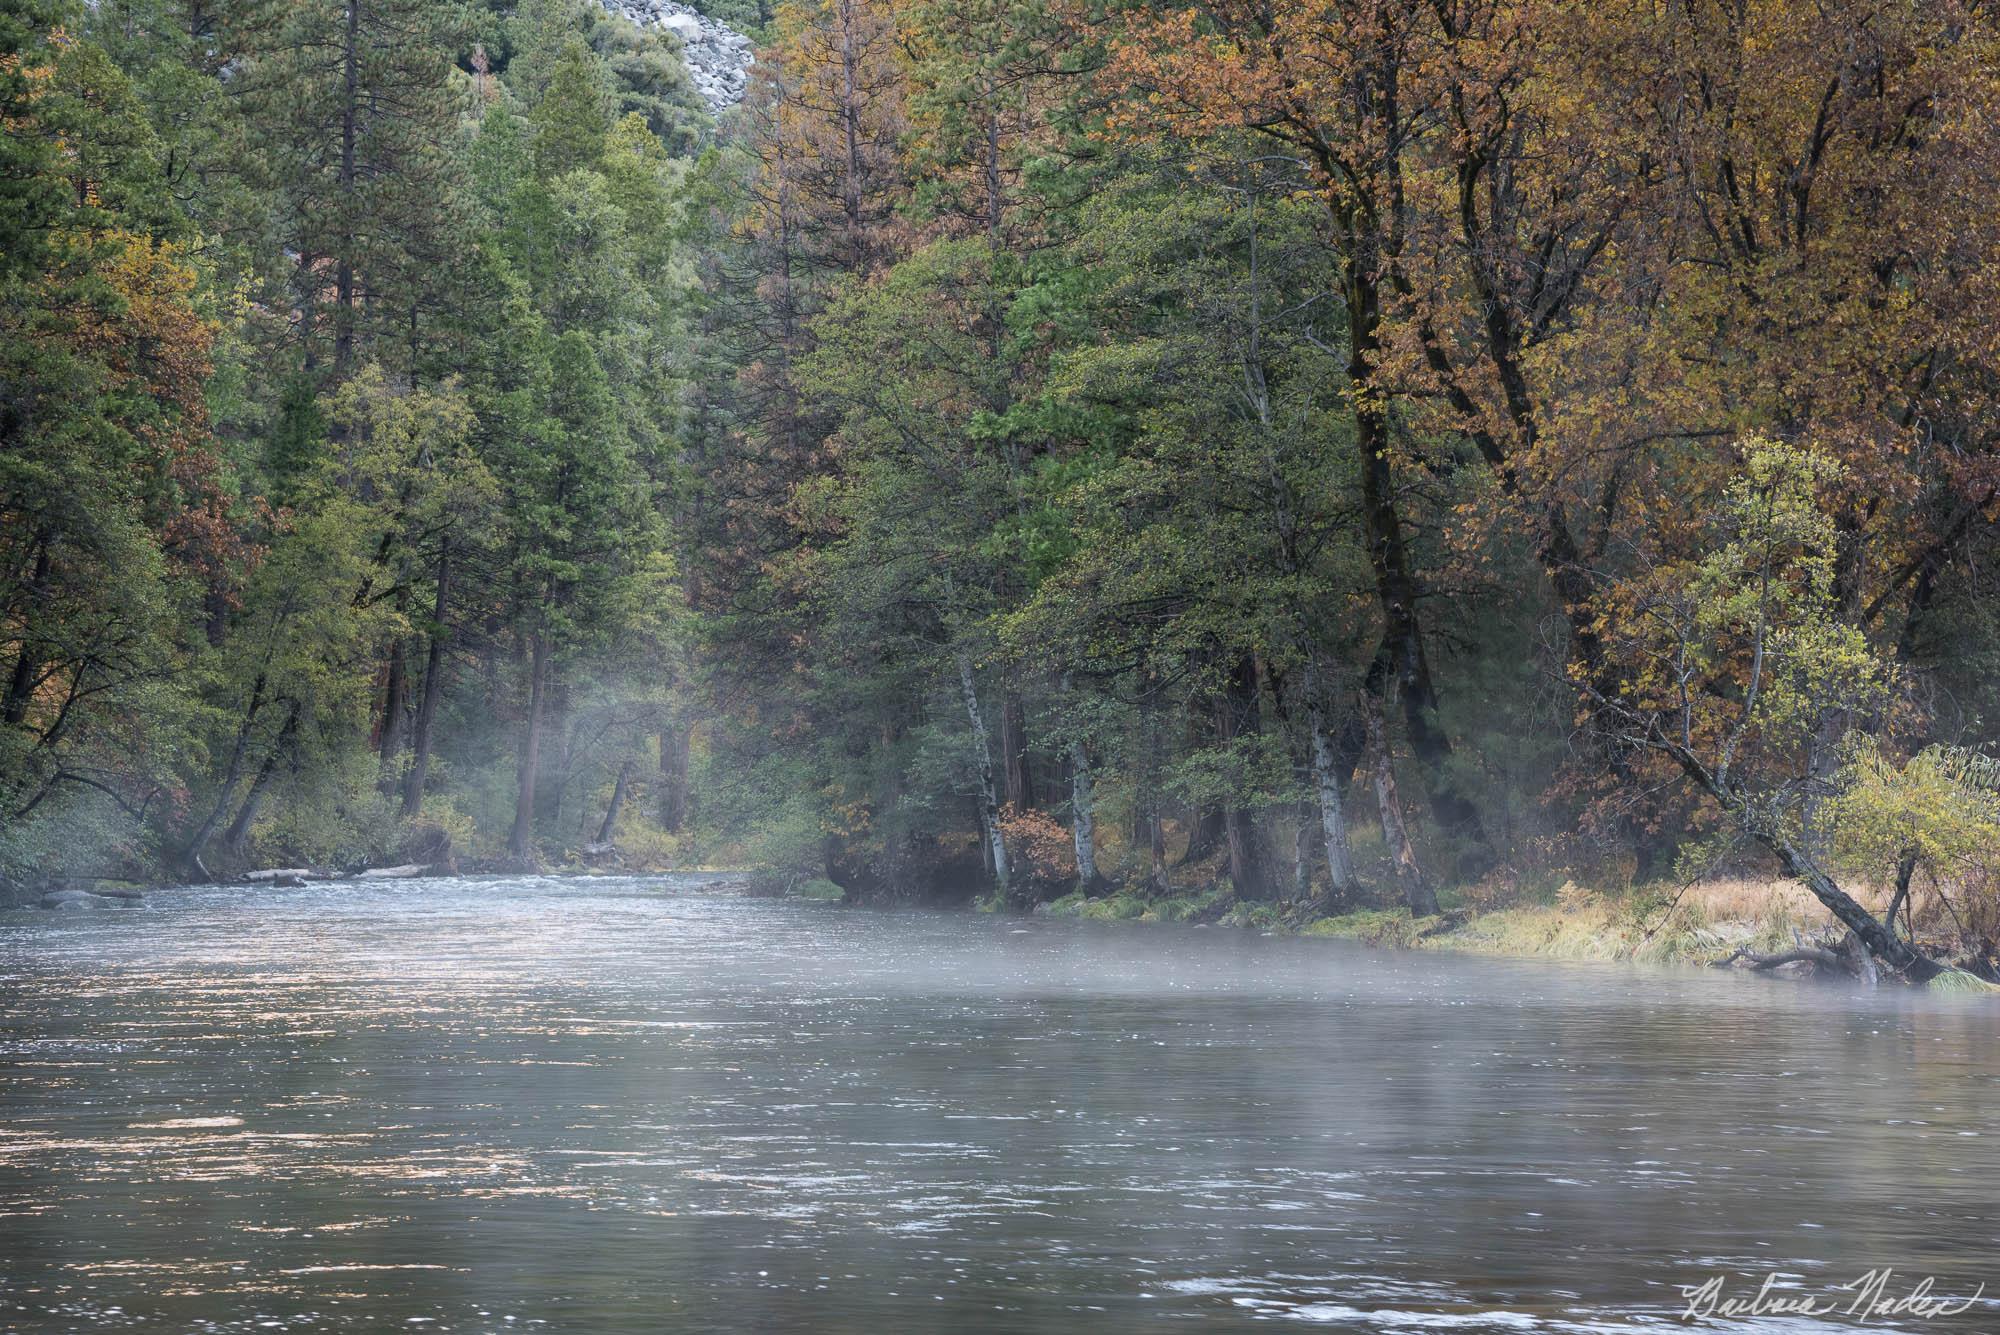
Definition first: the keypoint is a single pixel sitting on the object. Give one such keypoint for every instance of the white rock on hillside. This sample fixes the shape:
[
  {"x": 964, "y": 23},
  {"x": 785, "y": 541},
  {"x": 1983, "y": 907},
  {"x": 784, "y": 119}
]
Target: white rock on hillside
[{"x": 718, "y": 57}]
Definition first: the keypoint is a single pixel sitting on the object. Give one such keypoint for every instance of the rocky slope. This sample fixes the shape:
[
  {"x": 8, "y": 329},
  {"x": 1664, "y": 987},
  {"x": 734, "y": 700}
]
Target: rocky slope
[{"x": 717, "y": 56}]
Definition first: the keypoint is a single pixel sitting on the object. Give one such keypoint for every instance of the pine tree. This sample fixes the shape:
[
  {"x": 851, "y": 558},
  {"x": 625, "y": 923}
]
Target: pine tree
[{"x": 351, "y": 122}]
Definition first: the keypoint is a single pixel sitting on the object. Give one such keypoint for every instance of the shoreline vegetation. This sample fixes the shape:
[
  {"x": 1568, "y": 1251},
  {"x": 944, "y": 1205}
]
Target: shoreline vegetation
[{"x": 1707, "y": 925}]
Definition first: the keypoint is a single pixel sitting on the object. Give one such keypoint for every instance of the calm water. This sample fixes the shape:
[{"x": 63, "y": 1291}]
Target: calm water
[{"x": 629, "y": 1105}]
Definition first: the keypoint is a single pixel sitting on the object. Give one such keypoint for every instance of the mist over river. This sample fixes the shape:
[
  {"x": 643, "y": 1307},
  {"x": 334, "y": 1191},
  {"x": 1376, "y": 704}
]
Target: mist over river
[{"x": 617, "y": 1105}]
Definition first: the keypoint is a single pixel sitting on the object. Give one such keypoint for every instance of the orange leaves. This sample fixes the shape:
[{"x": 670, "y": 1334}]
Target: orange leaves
[
  {"x": 132, "y": 315},
  {"x": 153, "y": 334},
  {"x": 1219, "y": 67},
  {"x": 1040, "y": 845},
  {"x": 827, "y": 103}
]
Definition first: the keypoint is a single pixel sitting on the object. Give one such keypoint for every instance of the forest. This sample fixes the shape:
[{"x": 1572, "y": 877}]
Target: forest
[{"x": 1319, "y": 457}]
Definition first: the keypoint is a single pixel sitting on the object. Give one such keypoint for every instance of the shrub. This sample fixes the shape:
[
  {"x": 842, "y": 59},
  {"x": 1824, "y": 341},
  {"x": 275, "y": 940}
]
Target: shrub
[
  {"x": 1041, "y": 853},
  {"x": 1938, "y": 814}
]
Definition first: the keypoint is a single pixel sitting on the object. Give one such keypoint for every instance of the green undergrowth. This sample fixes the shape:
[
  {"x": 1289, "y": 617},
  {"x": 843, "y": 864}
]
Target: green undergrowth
[
  {"x": 1959, "y": 981},
  {"x": 818, "y": 888},
  {"x": 1377, "y": 927},
  {"x": 1128, "y": 906}
]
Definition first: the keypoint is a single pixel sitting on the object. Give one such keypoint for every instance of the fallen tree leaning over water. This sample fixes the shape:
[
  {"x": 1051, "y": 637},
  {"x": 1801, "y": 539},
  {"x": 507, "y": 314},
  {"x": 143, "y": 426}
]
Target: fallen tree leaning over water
[{"x": 1739, "y": 671}]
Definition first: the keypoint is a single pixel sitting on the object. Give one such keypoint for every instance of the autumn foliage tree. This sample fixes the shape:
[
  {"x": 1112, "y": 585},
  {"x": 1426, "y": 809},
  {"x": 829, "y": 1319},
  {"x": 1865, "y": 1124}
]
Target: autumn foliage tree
[{"x": 116, "y": 534}]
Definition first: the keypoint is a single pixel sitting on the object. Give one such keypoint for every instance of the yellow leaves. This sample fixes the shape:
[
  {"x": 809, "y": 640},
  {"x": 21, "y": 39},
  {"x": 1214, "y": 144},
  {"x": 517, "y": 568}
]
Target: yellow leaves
[
  {"x": 148, "y": 334},
  {"x": 1747, "y": 644},
  {"x": 1923, "y": 805}
]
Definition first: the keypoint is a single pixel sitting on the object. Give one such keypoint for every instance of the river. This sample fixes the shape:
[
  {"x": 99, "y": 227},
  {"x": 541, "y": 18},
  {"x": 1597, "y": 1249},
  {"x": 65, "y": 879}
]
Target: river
[{"x": 626, "y": 1105}]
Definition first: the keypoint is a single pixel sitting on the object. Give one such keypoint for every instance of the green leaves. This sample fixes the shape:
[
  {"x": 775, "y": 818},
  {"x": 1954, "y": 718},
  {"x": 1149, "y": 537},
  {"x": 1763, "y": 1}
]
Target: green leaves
[
  {"x": 1765, "y": 603},
  {"x": 573, "y": 115}
]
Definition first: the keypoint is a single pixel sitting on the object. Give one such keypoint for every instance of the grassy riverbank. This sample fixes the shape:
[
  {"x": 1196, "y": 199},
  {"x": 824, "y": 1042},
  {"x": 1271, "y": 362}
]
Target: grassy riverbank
[
  {"x": 1578, "y": 925},
  {"x": 1698, "y": 925}
]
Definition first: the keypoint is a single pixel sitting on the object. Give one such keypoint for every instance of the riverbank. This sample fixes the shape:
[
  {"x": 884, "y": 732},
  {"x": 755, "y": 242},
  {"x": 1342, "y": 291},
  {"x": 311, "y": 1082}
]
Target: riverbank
[{"x": 1700, "y": 925}]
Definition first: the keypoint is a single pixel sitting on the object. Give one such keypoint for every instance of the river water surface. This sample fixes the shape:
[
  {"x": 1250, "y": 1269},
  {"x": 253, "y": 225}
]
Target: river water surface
[{"x": 640, "y": 1105}]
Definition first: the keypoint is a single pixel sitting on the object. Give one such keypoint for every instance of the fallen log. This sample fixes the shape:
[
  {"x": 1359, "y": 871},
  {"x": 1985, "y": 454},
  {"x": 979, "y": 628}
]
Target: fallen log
[
  {"x": 1801, "y": 955},
  {"x": 404, "y": 872},
  {"x": 1849, "y": 955}
]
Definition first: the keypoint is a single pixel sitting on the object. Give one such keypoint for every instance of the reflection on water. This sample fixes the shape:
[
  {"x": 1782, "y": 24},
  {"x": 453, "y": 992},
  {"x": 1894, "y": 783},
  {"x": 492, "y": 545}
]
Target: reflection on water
[{"x": 628, "y": 1105}]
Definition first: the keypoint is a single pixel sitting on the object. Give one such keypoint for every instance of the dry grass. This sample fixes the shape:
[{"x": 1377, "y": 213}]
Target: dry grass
[
  {"x": 1706, "y": 922},
  {"x": 1705, "y": 925},
  {"x": 1749, "y": 901},
  {"x": 1584, "y": 925}
]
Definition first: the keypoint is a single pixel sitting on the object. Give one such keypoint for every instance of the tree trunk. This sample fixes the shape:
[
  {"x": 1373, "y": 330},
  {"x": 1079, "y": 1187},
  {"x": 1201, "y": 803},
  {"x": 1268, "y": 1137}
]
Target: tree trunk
[
  {"x": 521, "y": 844},
  {"x": 1014, "y": 753},
  {"x": 21, "y": 684},
  {"x": 1822, "y": 765},
  {"x": 350, "y": 115},
  {"x": 1239, "y": 718},
  {"x": 238, "y": 833},
  {"x": 1246, "y": 860},
  {"x": 226, "y": 791},
  {"x": 427, "y": 704},
  {"x": 1416, "y": 886},
  {"x": 850, "y": 125},
  {"x": 989, "y": 803},
  {"x": 1906, "y": 869},
  {"x": 1205, "y": 837},
  {"x": 395, "y": 711},
  {"x": 1327, "y": 782},
  {"x": 673, "y": 778},
  {"x": 1149, "y": 821},
  {"x": 556, "y": 693},
  {"x": 1302, "y": 842},
  {"x": 1883, "y": 944},
  {"x": 27, "y": 667},
  {"x": 1083, "y": 818},
  {"x": 1082, "y": 809},
  {"x": 1402, "y": 650},
  {"x": 609, "y": 828},
  {"x": 1765, "y": 828}
]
